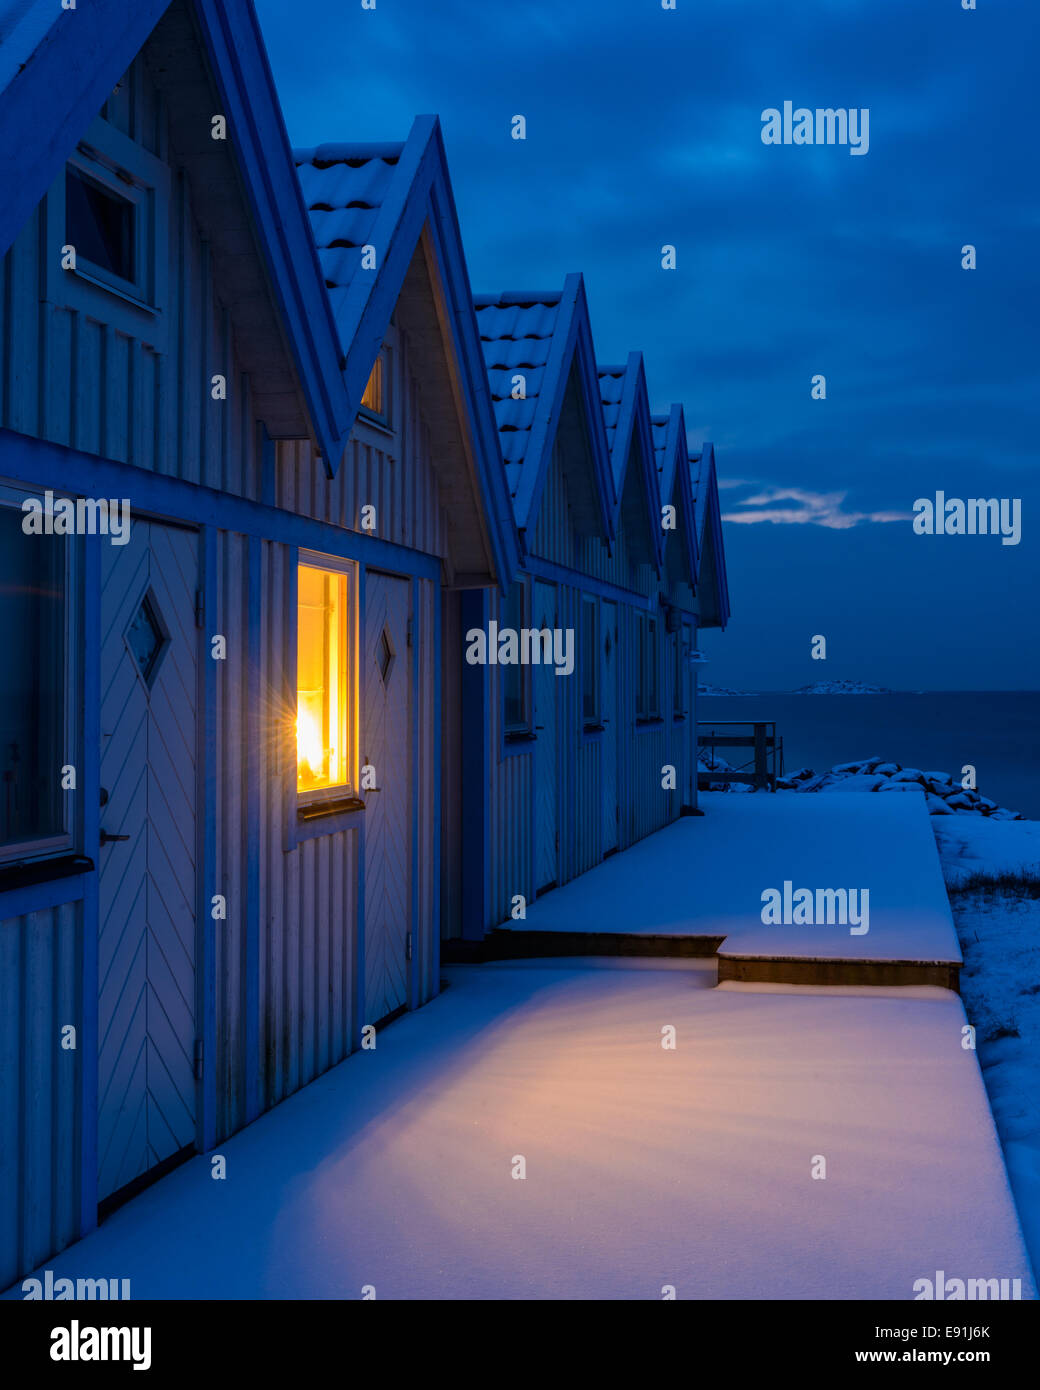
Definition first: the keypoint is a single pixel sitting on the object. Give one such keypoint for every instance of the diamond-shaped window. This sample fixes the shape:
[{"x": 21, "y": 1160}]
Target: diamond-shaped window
[
  {"x": 385, "y": 656},
  {"x": 146, "y": 638}
]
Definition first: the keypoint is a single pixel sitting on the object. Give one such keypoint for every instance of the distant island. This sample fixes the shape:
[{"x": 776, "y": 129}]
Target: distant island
[
  {"x": 842, "y": 688},
  {"x": 829, "y": 687}
]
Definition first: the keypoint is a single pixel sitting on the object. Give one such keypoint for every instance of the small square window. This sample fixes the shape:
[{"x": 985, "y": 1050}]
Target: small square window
[
  {"x": 326, "y": 687},
  {"x": 100, "y": 225}
]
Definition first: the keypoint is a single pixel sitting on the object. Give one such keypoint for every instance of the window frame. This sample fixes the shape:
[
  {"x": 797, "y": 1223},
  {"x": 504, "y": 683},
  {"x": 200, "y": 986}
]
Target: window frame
[
  {"x": 590, "y": 623},
  {"x": 678, "y": 683},
  {"x": 382, "y": 417},
  {"x": 311, "y": 802},
  {"x": 135, "y": 285},
  {"x": 68, "y": 839},
  {"x": 138, "y": 308},
  {"x": 523, "y": 731},
  {"x": 648, "y": 675}
]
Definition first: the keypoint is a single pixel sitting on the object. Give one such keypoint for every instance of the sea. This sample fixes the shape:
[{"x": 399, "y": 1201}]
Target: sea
[{"x": 995, "y": 731}]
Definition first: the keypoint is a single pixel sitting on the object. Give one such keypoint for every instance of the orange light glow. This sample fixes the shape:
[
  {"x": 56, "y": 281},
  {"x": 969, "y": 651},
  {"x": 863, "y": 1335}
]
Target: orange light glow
[{"x": 324, "y": 718}]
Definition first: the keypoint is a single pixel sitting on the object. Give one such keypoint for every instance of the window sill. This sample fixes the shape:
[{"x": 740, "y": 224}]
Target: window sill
[
  {"x": 22, "y": 874},
  {"x": 329, "y": 806},
  {"x": 113, "y": 287},
  {"x": 593, "y": 727},
  {"x": 652, "y": 721},
  {"x": 520, "y": 736},
  {"x": 374, "y": 421}
]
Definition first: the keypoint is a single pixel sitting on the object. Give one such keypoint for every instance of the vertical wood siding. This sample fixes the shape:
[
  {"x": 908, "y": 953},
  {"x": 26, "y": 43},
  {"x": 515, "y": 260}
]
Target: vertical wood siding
[
  {"x": 39, "y": 1087},
  {"x": 391, "y": 469},
  {"x": 643, "y": 750},
  {"x": 74, "y": 381},
  {"x": 452, "y": 649},
  {"x": 283, "y": 961}
]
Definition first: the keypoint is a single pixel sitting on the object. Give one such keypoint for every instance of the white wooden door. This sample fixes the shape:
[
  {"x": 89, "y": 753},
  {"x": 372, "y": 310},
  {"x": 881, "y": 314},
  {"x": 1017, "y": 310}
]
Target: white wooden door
[
  {"x": 387, "y": 748},
  {"x": 544, "y": 681},
  {"x": 146, "y": 928},
  {"x": 608, "y": 641}
]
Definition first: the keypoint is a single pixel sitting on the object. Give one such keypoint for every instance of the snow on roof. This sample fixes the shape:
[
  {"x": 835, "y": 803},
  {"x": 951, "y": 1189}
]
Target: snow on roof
[
  {"x": 611, "y": 389},
  {"x": 516, "y": 331},
  {"x": 344, "y": 186},
  {"x": 659, "y": 433}
]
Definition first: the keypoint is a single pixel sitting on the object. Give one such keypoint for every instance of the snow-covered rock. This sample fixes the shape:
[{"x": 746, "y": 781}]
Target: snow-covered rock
[
  {"x": 861, "y": 783},
  {"x": 943, "y": 795}
]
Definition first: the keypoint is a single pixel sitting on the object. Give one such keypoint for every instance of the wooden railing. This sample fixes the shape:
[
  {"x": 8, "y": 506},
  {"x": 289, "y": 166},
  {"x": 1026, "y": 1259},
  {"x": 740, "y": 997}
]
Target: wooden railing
[{"x": 764, "y": 766}]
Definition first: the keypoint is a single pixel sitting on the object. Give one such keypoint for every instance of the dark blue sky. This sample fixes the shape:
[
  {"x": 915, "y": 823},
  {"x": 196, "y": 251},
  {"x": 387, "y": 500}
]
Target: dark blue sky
[{"x": 644, "y": 128}]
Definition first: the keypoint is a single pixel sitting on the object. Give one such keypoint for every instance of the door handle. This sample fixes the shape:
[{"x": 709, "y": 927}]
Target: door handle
[{"x": 107, "y": 839}]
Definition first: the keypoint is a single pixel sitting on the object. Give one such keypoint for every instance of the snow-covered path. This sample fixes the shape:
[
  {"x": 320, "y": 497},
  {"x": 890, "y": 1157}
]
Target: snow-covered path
[
  {"x": 645, "y": 1166},
  {"x": 706, "y": 876}
]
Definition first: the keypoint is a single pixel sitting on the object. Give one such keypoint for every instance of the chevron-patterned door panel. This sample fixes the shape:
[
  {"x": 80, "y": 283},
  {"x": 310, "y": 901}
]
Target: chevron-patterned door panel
[
  {"x": 544, "y": 681},
  {"x": 386, "y": 745},
  {"x": 146, "y": 931},
  {"x": 608, "y": 748}
]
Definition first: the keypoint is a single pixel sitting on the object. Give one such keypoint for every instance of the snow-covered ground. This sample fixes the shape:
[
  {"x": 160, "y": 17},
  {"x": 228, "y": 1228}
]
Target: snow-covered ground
[
  {"x": 972, "y": 849},
  {"x": 990, "y": 859},
  {"x": 645, "y": 1166},
  {"x": 707, "y": 875},
  {"x": 993, "y": 870}
]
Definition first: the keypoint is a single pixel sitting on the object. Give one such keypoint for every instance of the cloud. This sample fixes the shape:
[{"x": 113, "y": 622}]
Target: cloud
[{"x": 814, "y": 509}]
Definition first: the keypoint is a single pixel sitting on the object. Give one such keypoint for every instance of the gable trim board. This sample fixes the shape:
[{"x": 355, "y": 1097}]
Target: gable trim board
[
  {"x": 714, "y": 606},
  {"x": 675, "y": 487},
  {"x": 633, "y": 432},
  {"x": 75, "y": 65}
]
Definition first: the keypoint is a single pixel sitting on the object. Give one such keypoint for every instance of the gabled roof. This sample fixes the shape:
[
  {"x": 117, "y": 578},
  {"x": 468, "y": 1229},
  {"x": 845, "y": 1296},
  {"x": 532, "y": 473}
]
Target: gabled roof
[
  {"x": 671, "y": 453},
  {"x": 57, "y": 67},
  {"x": 546, "y": 338},
  {"x": 713, "y": 590},
  {"x": 626, "y": 414},
  {"x": 383, "y": 217}
]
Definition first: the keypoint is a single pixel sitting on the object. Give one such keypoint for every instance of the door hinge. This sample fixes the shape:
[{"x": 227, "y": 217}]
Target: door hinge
[
  {"x": 408, "y": 946},
  {"x": 198, "y": 1059},
  {"x": 200, "y": 608},
  {"x": 409, "y": 636}
]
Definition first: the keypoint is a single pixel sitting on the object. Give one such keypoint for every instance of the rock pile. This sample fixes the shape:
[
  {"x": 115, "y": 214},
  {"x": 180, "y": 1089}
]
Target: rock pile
[{"x": 943, "y": 795}]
